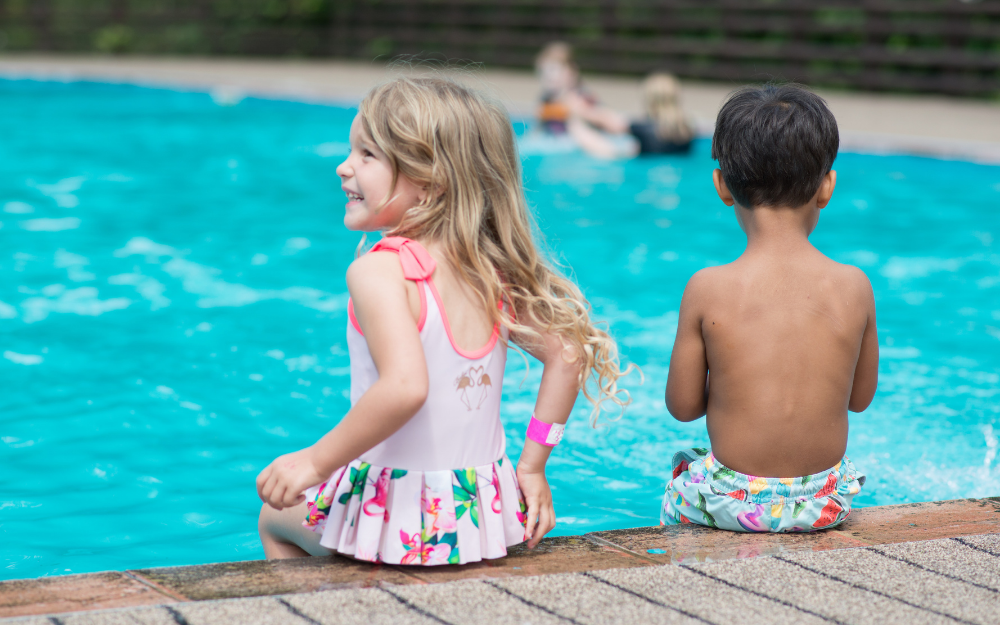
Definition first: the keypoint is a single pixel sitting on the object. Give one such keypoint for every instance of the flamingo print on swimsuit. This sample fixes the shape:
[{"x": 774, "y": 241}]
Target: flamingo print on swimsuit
[
  {"x": 472, "y": 387},
  {"x": 495, "y": 504},
  {"x": 381, "y": 496}
]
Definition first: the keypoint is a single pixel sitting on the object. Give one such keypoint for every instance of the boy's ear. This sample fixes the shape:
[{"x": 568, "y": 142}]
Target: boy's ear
[
  {"x": 826, "y": 189},
  {"x": 722, "y": 189}
]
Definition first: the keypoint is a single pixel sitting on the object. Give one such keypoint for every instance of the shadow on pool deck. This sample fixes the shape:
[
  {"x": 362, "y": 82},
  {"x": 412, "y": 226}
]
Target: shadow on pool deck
[{"x": 617, "y": 549}]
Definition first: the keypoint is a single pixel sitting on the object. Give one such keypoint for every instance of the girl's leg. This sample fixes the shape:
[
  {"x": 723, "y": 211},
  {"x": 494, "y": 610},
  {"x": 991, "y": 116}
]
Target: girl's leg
[{"x": 283, "y": 536}]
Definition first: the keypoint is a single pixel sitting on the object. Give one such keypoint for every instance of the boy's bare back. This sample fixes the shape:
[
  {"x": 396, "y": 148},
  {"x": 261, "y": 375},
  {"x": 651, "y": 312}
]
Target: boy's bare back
[
  {"x": 778, "y": 345},
  {"x": 782, "y": 335}
]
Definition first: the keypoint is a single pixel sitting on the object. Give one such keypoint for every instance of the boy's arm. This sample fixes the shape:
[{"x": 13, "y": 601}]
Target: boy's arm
[
  {"x": 866, "y": 371},
  {"x": 687, "y": 381}
]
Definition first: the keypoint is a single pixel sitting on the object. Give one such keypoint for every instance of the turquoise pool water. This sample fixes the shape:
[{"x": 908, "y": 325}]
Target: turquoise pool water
[{"x": 173, "y": 317}]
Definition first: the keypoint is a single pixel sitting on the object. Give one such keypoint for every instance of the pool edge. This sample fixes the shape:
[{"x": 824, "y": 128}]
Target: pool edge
[{"x": 598, "y": 551}]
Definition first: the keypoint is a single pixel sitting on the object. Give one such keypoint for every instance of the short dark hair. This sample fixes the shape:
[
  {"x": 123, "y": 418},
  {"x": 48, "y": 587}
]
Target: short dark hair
[{"x": 774, "y": 144}]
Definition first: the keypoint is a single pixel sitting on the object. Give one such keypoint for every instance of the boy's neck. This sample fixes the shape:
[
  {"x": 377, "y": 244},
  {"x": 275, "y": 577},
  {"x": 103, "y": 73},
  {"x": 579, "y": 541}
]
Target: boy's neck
[{"x": 783, "y": 229}]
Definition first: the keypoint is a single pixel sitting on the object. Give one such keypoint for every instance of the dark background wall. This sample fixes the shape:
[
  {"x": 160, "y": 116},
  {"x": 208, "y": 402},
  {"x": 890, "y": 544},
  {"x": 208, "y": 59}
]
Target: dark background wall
[{"x": 942, "y": 46}]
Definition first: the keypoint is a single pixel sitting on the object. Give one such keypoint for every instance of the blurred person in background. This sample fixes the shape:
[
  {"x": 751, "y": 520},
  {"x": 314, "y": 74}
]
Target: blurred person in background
[
  {"x": 568, "y": 109},
  {"x": 666, "y": 129}
]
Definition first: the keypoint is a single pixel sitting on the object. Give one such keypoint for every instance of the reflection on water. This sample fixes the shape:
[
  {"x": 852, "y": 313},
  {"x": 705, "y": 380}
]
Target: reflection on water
[{"x": 173, "y": 311}]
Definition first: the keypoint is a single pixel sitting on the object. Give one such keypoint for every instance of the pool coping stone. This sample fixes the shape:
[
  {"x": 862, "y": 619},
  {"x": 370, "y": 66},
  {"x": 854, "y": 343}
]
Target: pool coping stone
[{"x": 598, "y": 551}]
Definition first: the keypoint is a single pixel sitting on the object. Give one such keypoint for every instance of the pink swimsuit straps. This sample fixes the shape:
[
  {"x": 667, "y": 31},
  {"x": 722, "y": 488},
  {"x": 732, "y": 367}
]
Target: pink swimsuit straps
[{"x": 441, "y": 490}]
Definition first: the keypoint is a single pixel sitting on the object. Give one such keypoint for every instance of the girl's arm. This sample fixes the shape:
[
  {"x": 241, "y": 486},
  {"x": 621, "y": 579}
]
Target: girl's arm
[
  {"x": 596, "y": 143},
  {"x": 382, "y": 307},
  {"x": 602, "y": 117},
  {"x": 556, "y": 396}
]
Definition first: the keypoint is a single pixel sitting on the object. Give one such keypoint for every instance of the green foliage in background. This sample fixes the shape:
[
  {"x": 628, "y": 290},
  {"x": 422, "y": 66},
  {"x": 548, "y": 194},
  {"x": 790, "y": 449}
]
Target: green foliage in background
[
  {"x": 837, "y": 44},
  {"x": 165, "y": 26},
  {"x": 115, "y": 38}
]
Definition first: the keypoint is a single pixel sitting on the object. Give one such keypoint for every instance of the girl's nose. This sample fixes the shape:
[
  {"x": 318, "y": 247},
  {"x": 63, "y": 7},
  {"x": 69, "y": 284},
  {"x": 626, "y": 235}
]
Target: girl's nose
[{"x": 344, "y": 170}]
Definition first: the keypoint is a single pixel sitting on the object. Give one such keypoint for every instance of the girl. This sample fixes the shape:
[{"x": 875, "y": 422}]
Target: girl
[
  {"x": 416, "y": 472},
  {"x": 666, "y": 130}
]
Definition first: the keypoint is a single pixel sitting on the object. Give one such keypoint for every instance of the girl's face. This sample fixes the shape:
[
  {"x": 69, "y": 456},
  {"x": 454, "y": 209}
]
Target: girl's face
[
  {"x": 557, "y": 77},
  {"x": 366, "y": 177}
]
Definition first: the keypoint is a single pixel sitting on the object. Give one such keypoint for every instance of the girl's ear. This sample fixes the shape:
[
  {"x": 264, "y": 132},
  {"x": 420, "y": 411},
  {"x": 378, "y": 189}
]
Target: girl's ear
[{"x": 435, "y": 189}]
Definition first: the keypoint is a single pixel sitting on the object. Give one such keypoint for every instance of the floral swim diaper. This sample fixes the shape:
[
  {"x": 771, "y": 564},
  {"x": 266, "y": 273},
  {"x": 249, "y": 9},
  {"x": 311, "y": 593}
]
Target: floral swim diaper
[{"x": 705, "y": 492}]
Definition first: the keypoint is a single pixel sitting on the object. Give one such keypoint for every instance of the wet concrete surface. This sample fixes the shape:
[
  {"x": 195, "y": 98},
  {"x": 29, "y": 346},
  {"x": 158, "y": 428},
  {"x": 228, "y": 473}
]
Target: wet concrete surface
[
  {"x": 562, "y": 554},
  {"x": 926, "y": 562},
  {"x": 94, "y": 591},
  {"x": 687, "y": 544},
  {"x": 924, "y": 521},
  {"x": 260, "y": 577}
]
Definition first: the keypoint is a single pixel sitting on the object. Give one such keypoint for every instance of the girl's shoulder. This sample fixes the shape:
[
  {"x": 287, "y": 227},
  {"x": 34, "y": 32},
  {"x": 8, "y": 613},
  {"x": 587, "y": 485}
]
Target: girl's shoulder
[
  {"x": 378, "y": 267},
  {"x": 385, "y": 278},
  {"x": 393, "y": 260}
]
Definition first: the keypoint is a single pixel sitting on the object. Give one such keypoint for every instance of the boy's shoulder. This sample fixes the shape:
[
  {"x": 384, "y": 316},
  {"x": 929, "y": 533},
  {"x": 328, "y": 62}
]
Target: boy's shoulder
[
  {"x": 705, "y": 288},
  {"x": 724, "y": 280},
  {"x": 712, "y": 278},
  {"x": 845, "y": 276}
]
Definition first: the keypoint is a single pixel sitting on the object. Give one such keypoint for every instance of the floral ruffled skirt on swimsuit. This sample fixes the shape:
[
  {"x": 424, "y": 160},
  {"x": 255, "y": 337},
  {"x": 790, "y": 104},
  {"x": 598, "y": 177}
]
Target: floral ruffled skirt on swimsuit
[{"x": 380, "y": 514}]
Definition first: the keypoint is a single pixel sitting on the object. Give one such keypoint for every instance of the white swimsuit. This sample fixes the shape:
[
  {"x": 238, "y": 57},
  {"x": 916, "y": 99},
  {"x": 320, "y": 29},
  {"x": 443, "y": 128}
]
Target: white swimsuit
[{"x": 440, "y": 490}]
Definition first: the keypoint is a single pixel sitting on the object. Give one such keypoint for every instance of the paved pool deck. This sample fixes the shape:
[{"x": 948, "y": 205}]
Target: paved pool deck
[
  {"x": 882, "y": 123},
  {"x": 933, "y": 562}
]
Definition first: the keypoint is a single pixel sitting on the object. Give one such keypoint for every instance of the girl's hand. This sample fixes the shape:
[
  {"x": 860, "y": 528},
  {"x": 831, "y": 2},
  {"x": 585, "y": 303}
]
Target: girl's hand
[
  {"x": 541, "y": 516},
  {"x": 561, "y": 374},
  {"x": 282, "y": 483}
]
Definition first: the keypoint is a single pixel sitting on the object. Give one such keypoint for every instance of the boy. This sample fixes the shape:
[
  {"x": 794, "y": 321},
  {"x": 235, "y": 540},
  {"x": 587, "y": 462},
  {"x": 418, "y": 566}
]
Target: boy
[{"x": 778, "y": 345}]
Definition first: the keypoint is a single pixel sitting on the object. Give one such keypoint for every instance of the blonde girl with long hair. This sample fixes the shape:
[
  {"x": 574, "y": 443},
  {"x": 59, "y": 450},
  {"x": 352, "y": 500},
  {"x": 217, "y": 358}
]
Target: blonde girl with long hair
[
  {"x": 417, "y": 472},
  {"x": 666, "y": 128}
]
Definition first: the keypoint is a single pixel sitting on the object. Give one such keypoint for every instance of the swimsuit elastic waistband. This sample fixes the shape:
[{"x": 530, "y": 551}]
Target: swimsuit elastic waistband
[{"x": 804, "y": 486}]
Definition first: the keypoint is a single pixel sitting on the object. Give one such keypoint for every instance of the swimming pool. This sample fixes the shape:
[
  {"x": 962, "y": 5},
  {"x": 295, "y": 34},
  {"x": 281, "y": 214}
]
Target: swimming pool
[{"x": 174, "y": 310}]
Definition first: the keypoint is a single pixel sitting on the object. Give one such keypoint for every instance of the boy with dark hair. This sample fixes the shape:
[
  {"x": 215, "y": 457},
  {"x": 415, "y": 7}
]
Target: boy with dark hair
[{"x": 778, "y": 345}]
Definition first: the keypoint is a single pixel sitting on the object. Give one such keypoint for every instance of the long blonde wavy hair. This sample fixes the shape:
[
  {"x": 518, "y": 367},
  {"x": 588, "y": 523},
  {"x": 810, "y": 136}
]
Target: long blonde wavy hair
[
  {"x": 661, "y": 93},
  {"x": 450, "y": 139}
]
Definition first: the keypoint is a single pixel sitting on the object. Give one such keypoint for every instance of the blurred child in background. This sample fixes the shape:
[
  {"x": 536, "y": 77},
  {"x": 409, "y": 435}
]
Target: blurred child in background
[
  {"x": 666, "y": 130},
  {"x": 567, "y": 108}
]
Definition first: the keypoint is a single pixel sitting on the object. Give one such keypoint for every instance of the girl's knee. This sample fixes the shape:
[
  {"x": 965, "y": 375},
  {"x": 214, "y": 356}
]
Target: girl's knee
[
  {"x": 265, "y": 519},
  {"x": 283, "y": 536}
]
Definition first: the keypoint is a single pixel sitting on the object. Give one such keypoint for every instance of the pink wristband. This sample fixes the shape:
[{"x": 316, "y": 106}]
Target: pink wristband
[{"x": 548, "y": 434}]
